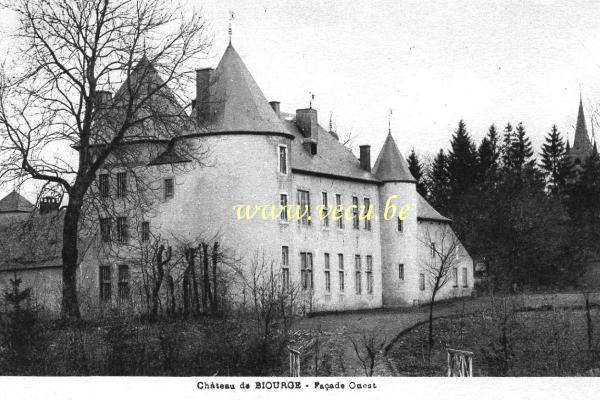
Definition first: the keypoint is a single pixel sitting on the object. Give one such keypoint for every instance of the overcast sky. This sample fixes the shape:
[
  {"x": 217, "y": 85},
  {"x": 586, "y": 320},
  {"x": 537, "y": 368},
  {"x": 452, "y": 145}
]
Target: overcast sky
[{"x": 432, "y": 62}]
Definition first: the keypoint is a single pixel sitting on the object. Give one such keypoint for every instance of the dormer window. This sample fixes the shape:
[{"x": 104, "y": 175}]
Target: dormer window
[{"x": 283, "y": 162}]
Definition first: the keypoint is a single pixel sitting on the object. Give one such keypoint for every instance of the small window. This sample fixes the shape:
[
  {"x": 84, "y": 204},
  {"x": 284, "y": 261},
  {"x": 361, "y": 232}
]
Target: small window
[
  {"x": 122, "y": 230},
  {"x": 285, "y": 255},
  {"x": 455, "y": 276},
  {"x": 339, "y": 210},
  {"x": 465, "y": 277},
  {"x": 283, "y": 159},
  {"x": 121, "y": 184},
  {"x": 355, "y": 220},
  {"x": 304, "y": 203},
  {"x": 105, "y": 283},
  {"x": 283, "y": 202},
  {"x": 370, "y": 274},
  {"x": 169, "y": 187},
  {"x": 401, "y": 272},
  {"x": 367, "y": 213},
  {"x": 325, "y": 208},
  {"x": 422, "y": 282},
  {"x": 400, "y": 225},
  {"x": 123, "y": 283},
  {"x": 145, "y": 231},
  {"x": 103, "y": 185},
  {"x": 105, "y": 227}
]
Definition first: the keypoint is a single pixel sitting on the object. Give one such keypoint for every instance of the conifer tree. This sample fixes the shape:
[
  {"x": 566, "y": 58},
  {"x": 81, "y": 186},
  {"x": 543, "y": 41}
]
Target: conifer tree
[
  {"x": 439, "y": 182},
  {"x": 489, "y": 155},
  {"x": 507, "y": 147},
  {"x": 522, "y": 150},
  {"x": 462, "y": 163},
  {"x": 416, "y": 169},
  {"x": 553, "y": 160}
]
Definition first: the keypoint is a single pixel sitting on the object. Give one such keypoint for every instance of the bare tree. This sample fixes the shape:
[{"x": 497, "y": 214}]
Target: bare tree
[
  {"x": 368, "y": 347},
  {"x": 443, "y": 246},
  {"x": 68, "y": 54}
]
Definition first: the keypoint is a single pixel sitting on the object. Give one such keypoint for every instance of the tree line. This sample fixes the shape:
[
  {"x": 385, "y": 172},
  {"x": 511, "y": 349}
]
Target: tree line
[{"x": 532, "y": 219}]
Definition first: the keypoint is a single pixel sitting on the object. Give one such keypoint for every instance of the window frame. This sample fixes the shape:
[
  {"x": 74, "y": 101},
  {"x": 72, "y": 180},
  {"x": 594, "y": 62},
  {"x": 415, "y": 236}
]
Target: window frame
[
  {"x": 355, "y": 213},
  {"x": 121, "y": 184},
  {"x": 341, "y": 276},
  {"x": 283, "y": 212},
  {"x": 367, "y": 204},
  {"x": 306, "y": 270},
  {"x": 401, "y": 271},
  {"x": 400, "y": 225},
  {"x": 122, "y": 230},
  {"x": 123, "y": 283},
  {"x": 369, "y": 274},
  {"x": 339, "y": 208},
  {"x": 422, "y": 282},
  {"x": 286, "y": 159},
  {"x": 455, "y": 277},
  {"x": 105, "y": 234},
  {"x": 166, "y": 195},
  {"x": 285, "y": 267},
  {"x": 325, "y": 203},
  {"x": 105, "y": 283},
  {"x": 358, "y": 274},
  {"x": 104, "y": 184},
  {"x": 304, "y": 203},
  {"x": 145, "y": 231},
  {"x": 465, "y": 277}
]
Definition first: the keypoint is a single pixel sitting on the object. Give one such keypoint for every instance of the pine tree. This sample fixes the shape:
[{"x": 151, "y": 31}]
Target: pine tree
[
  {"x": 489, "y": 155},
  {"x": 553, "y": 160},
  {"x": 590, "y": 180},
  {"x": 506, "y": 150},
  {"x": 416, "y": 169},
  {"x": 462, "y": 163},
  {"x": 439, "y": 183},
  {"x": 522, "y": 150}
]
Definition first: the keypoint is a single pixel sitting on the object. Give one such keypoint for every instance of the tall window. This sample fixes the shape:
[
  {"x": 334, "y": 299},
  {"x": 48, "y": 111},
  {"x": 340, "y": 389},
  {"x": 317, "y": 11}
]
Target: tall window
[
  {"x": 122, "y": 230},
  {"x": 341, "y": 271},
  {"x": 105, "y": 283},
  {"x": 355, "y": 220},
  {"x": 369, "y": 274},
  {"x": 306, "y": 264},
  {"x": 121, "y": 184},
  {"x": 432, "y": 248},
  {"x": 401, "y": 272},
  {"x": 283, "y": 159},
  {"x": 455, "y": 276},
  {"x": 400, "y": 225},
  {"x": 123, "y": 283},
  {"x": 285, "y": 267},
  {"x": 105, "y": 229},
  {"x": 283, "y": 201},
  {"x": 465, "y": 278},
  {"x": 367, "y": 220},
  {"x": 325, "y": 209},
  {"x": 357, "y": 272},
  {"x": 169, "y": 187},
  {"x": 338, "y": 211},
  {"x": 103, "y": 185},
  {"x": 422, "y": 282},
  {"x": 304, "y": 203},
  {"x": 145, "y": 231},
  {"x": 327, "y": 274}
]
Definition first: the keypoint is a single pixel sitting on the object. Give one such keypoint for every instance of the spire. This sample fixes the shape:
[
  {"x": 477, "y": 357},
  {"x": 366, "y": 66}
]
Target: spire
[
  {"x": 582, "y": 140},
  {"x": 391, "y": 165},
  {"x": 231, "y": 17}
]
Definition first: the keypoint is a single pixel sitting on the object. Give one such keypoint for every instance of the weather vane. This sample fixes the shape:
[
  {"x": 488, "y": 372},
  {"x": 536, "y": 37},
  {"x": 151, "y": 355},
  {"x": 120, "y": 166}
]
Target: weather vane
[
  {"x": 231, "y": 18},
  {"x": 390, "y": 122},
  {"x": 330, "y": 121},
  {"x": 312, "y": 97}
]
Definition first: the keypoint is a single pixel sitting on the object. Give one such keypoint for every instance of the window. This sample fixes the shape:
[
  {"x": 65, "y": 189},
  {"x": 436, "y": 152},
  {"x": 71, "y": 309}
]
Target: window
[
  {"x": 455, "y": 276},
  {"x": 283, "y": 159},
  {"x": 122, "y": 234},
  {"x": 105, "y": 229},
  {"x": 465, "y": 278},
  {"x": 341, "y": 271},
  {"x": 422, "y": 282},
  {"x": 103, "y": 185},
  {"x": 306, "y": 264},
  {"x": 367, "y": 213},
  {"x": 121, "y": 184},
  {"x": 325, "y": 209},
  {"x": 304, "y": 203},
  {"x": 327, "y": 274},
  {"x": 432, "y": 247},
  {"x": 355, "y": 220},
  {"x": 357, "y": 271},
  {"x": 145, "y": 231},
  {"x": 123, "y": 283},
  {"x": 369, "y": 274},
  {"x": 285, "y": 267},
  {"x": 400, "y": 225},
  {"x": 401, "y": 272},
  {"x": 283, "y": 201},
  {"x": 105, "y": 283},
  {"x": 169, "y": 186},
  {"x": 339, "y": 210}
]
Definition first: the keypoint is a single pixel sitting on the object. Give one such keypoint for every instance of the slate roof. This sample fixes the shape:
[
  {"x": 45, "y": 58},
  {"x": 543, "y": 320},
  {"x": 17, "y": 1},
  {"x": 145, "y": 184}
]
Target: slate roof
[
  {"x": 391, "y": 165},
  {"x": 169, "y": 156},
  {"x": 427, "y": 212},
  {"x": 14, "y": 202},
  {"x": 236, "y": 102}
]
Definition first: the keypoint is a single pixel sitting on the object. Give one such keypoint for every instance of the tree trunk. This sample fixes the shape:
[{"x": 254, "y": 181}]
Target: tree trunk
[
  {"x": 70, "y": 254},
  {"x": 206, "y": 295},
  {"x": 159, "y": 278},
  {"x": 171, "y": 285},
  {"x": 192, "y": 268},
  {"x": 215, "y": 257},
  {"x": 430, "y": 336},
  {"x": 186, "y": 292}
]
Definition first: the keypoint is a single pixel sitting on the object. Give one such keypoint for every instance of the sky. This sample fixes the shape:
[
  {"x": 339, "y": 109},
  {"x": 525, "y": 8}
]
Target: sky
[{"x": 433, "y": 63}]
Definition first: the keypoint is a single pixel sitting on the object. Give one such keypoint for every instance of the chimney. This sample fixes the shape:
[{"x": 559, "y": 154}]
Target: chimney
[
  {"x": 203, "y": 82},
  {"x": 365, "y": 157},
  {"x": 48, "y": 204},
  {"x": 306, "y": 119},
  {"x": 103, "y": 99},
  {"x": 275, "y": 105}
]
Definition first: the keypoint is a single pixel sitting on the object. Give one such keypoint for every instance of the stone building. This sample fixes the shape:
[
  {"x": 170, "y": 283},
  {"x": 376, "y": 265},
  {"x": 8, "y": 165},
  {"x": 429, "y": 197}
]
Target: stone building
[{"x": 260, "y": 155}]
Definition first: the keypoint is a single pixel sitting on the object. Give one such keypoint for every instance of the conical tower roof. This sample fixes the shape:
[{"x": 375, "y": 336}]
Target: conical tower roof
[
  {"x": 14, "y": 202},
  {"x": 582, "y": 140},
  {"x": 391, "y": 165},
  {"x": 237, "y": 104}
]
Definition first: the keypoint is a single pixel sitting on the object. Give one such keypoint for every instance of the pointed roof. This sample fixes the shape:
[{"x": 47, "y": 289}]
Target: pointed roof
[
  {"x": 237, "y": 104},
  {"x": 582, "y": 140},
  {"x": 391, "y": 165},
  {"x": 14, "y": 202},
  {"x": 426, "y": 212}
]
